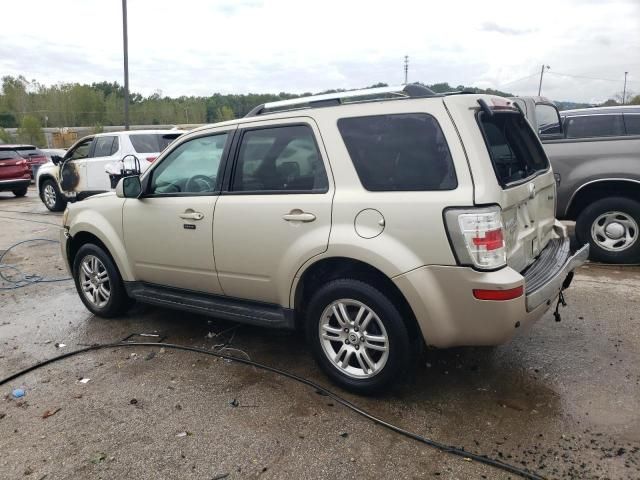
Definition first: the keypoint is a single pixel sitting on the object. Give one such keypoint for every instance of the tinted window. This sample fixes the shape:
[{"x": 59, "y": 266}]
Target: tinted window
[
  {"x": 151, "y": 142},
  {"x": 8, "y": 154},
  {"x": 103, "y": 146},
  {"x": 115, "y": 146},
  {"x": 632, "y": 123},
  {"x": 279, "y": 159},
  {"x": 587, "y": 126},
  {"x": 548, "y": 119},
  {"x": 515, "y": 151},
  {"x": 399, "y": 152},
  {"x": 191, "y": 168}
]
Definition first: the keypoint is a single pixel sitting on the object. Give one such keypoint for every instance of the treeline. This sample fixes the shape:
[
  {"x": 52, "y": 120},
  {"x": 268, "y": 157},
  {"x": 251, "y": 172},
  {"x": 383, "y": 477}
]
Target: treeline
[{"x": 99, "y": 104}]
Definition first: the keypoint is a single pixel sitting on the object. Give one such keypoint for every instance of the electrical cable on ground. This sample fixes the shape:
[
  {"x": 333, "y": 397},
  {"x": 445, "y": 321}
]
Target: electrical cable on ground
[
  {"x": 32, "y": 221},
  {"x": 319, "y": 388},
  {"x": 49, "y": 214},
  {"x": 25, "y": 279}
]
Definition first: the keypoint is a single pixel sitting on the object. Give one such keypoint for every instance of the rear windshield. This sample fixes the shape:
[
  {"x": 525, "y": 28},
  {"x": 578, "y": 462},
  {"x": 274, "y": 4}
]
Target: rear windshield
[
  {"x": 152, "y": 142},
  {"x": 8, "y": 154},
  {"x": 27, "y": 152},
  {"x": 513, "y": 146},
  {"x": 404, "y": 152}
]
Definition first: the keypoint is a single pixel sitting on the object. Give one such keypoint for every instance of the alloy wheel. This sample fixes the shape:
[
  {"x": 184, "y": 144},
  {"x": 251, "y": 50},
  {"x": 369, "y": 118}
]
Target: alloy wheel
[{"x": 94, "y": 281}]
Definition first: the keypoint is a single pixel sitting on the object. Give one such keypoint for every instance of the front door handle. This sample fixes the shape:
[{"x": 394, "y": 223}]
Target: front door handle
[
  {"x": 190, "y": 215},
  {"x": 298, "y": 215}
]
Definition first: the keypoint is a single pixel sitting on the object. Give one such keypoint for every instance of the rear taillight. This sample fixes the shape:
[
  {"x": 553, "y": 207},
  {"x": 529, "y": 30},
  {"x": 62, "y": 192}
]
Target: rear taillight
[
  {"x": 477, "y": 235},
  {"x": 151, "y": 159}
]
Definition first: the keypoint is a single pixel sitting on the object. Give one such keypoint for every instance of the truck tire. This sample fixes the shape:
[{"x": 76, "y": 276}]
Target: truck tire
[
  {"x": 52, "y": 197},
  {"x": 358, "y": 336},
  {"x": 610, "y": 226}
]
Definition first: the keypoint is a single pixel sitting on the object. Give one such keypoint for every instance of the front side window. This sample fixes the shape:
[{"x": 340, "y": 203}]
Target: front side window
[
  {"x": 279, "y": 159},
  {"x": 400, "y": 152},
  {"x": 589, "y": 126},
  {"x": 191, "y": 168},
  {"x": 548, "y": 119},
  {"x": 632, "y": 123},
  {"x": 80, "y": 151},
  {"x": 104, "y": 146},
  {"x": 513, "y": 147}
]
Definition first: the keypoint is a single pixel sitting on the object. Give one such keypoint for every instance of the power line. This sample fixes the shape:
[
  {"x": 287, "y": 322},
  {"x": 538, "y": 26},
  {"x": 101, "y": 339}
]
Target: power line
[{"x": 518, "y": 80}]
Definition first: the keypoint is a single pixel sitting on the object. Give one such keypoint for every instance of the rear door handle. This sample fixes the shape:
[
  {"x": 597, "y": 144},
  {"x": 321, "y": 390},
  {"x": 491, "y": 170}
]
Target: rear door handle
[
  {"x": 192, "y": 215},
  {"x": 299, "y": 216}
]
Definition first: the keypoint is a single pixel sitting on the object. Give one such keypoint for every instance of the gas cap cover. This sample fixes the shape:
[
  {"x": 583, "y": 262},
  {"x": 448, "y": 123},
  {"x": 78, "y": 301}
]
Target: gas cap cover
[{"x": 369, "y": 223}]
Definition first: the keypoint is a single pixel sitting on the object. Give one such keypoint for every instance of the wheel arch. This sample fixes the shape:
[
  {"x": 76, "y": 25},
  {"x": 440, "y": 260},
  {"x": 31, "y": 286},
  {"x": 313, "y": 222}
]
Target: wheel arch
[
  {"x": 599, "y": 189},
  {"x": 43, "y": 178},
  {"x": 332, "y": 268}
]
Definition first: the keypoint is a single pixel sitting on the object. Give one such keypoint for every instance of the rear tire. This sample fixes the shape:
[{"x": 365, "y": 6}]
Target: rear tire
[
  {"x": 610, "y": 226},
  {"x": 364, "y": 350},
  {"x": 52, "y": 197},
  {"x": 20, "y": 192},
  {"x": 99, "y": 283}
]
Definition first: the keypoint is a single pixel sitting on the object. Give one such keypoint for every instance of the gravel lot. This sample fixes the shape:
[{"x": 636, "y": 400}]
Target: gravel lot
[{"x": 562, "y": 399}]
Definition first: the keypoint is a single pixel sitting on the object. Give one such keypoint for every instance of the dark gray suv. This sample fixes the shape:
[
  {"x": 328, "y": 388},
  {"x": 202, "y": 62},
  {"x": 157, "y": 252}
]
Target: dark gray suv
[{"x": 595, "y": 155}]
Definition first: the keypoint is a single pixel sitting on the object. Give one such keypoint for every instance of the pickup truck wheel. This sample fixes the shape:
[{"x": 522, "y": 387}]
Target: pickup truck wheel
[
  {"x": 98, "y": 282},
  {"x": 20, "y": 192},
  {"x": 357, "y": 336},
  {"x": 52, "y": 197},
  {"x": 610, "y": 226}
]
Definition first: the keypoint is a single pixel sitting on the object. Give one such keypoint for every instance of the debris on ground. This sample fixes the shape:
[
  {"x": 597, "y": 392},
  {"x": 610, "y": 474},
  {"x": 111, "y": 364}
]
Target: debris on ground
[
  {"x": 99, "y": 457},
  {"x": 133, "y": 401},
  {"x": 183, "y": 434},
  {"x": 220, "y": 476},
  {"x": 344, "y": 434},
  {"x": 234, "y": 403},
  {"x": 84, "y": 380},
  {"x": 60, "y": 345},
  {"x": 50, "y": 413},
  {"x": 18, "y": 393},
  {"x": 150, "y": 356}
]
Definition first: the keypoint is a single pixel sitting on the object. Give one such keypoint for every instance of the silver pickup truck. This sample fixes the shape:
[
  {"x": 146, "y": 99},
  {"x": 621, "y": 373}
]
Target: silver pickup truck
[{"x": 595, "y": 154}]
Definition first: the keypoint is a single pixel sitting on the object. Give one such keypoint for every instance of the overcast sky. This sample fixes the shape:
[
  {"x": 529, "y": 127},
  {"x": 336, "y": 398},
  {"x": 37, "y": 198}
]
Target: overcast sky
[{"x": 198, "y": 47}]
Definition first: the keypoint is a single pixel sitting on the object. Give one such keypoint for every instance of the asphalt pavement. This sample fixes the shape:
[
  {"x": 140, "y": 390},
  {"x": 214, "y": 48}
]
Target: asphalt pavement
[{"x": 561, "y": 399}]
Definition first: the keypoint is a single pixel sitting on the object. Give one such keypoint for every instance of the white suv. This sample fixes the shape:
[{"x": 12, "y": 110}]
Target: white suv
[
  {"x": 376, "y": 220},
  {"x": 81, "y": 172}
]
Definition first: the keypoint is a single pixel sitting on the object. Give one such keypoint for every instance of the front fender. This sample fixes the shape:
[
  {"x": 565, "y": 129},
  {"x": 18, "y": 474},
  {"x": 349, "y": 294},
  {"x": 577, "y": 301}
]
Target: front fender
[{"x": 104, "y": 220}]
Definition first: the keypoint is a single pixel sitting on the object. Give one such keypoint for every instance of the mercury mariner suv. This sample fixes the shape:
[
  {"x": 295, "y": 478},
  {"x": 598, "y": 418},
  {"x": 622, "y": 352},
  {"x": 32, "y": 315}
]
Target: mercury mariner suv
[{"x": 377, "y": 221}]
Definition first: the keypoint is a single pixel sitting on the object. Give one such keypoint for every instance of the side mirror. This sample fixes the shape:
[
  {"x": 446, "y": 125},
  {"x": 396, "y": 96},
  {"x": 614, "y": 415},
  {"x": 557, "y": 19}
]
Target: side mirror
[
  {"x": 56, "y": 159},
  {"x": 129, "y": 187}
]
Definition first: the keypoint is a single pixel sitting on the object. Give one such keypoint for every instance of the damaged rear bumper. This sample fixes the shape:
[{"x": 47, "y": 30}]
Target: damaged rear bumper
[{"x": 546, "y": 277}]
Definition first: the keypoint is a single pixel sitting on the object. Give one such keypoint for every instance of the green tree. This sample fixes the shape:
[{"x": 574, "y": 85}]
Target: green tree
[
  {"x": 635, "y": 100},
  {"x": 224, "y": 113},
  {"x": 30, "y": 131}
]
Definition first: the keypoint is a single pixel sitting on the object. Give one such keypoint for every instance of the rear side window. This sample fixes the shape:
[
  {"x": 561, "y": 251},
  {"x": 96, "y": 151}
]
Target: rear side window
[
  {"x": 632, "y": 123},
  {"x": 404, "y": 152},
  {"x": 282, "y": 159},
  {"x": 513, "y": 147},
  {"x": 151, "y": 142},
  {"x": 8, "y": 154},
  {"x": 588, "y": 126}
]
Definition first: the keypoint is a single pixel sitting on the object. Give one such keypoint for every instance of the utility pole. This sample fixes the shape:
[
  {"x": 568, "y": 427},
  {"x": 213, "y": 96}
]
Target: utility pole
[
  {"x": 624, "y": 90},
  {"x": 125, "y": 43},
  {"x": 406, "y": 69},
  {"x": 541, "y": 75}
]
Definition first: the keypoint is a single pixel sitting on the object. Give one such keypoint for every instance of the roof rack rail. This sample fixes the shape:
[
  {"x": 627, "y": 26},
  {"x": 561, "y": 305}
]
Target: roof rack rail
[{"x": 411, "y": 90}]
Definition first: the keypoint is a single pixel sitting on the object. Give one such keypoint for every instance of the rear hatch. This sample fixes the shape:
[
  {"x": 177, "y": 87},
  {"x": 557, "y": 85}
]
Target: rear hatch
[
  {"x": 509, "y": 168},
  {"x": 32, "y": 155},
  {"x": 12, "y": 165}
]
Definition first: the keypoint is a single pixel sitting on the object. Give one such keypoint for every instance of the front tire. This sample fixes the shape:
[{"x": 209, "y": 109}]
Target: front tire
[
  {"x": 20, "y": 192},
  {"x": 52, "y": 197},
  {"x": 610, "y": 226},
  {"x": 99, "y": 283},
  {"x": 358, "y": 336}
]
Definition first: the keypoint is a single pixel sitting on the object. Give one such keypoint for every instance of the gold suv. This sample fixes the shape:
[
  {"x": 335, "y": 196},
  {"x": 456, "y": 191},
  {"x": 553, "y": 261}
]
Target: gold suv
[{"x": 375, "y": 220}]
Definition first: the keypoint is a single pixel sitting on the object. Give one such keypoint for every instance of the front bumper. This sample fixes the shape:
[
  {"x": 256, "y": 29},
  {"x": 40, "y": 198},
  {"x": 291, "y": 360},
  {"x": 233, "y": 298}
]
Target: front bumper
[{"x": 448, "y": 314}]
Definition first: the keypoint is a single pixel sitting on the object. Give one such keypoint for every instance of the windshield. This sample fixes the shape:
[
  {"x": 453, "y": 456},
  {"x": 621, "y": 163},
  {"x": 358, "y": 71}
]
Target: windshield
[{"x": 515, "y": 151}]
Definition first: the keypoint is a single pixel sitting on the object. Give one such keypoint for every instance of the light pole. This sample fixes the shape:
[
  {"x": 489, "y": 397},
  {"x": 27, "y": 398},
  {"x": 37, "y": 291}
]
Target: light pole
[
  {"x": 541, "y": 75},
  {"x": 624, "y": 90},
  {"x": 406, "y": 68},
  {"x": 125, "y": 44}
]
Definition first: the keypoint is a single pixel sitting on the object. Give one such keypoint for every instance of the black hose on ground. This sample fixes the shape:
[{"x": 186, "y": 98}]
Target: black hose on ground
[
  {"x": 319, "y": 388},
  {"x": 25, "y": 279}
]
